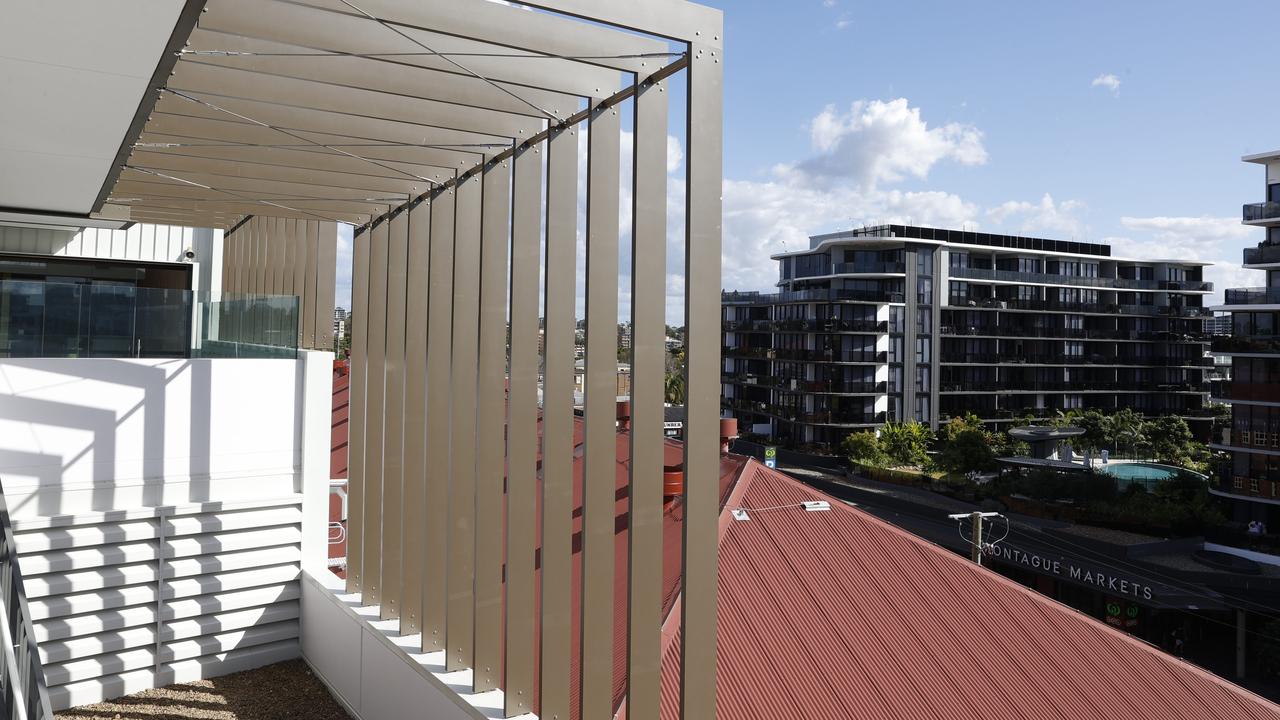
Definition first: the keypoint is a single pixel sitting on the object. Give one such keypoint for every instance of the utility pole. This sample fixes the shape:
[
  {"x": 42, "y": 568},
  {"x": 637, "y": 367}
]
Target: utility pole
[
  {"x": 977, "y": 537},
  {"x": 975, "y": 518}
]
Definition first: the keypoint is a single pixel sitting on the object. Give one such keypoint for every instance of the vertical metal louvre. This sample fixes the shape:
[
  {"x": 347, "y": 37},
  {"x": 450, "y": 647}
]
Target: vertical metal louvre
[
  {"x": 455, "y": 159},
  {"x": 274, "y": 256}
]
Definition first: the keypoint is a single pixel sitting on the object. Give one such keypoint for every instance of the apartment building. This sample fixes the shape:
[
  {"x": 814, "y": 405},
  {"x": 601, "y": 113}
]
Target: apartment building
[
  {"x": 894, "y": 323},
  {"x": 1251, "y": 476}
]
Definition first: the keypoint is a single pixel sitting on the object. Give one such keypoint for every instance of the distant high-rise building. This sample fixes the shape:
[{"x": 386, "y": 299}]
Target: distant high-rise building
[
  {"x": 896, "y": 323},
  {"x": 339, "y": 325},
  {"x": 1218, "y": 325},
  {"x": 1252, "y": 476}
]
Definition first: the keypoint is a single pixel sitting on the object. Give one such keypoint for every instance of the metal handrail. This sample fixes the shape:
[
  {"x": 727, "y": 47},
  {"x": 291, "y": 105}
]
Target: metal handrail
[{"x": 23, "y": 693}]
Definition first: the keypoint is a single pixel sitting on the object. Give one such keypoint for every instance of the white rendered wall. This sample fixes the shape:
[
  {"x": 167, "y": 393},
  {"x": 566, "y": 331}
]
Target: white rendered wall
[
  {"x": 373, "y": 670},
  {"x": 97, "y": 434},
  {"x": 165, "y": 509}
]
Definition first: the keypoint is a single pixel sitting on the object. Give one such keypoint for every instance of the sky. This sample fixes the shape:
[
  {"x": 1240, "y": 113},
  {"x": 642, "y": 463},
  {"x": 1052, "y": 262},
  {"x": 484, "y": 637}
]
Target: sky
[{"x": 1112, "y": 122}]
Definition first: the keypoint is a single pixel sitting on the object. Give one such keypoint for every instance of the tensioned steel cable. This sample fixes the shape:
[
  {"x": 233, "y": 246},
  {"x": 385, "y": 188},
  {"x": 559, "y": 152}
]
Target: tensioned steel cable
[
  {"x": 246, "y": 118},
  {"x": 228, "y": 192},
  {"x": 374, "y": 56},
  {"x": 431, "y": 146},
  {"x": 449, "y": 60},
  {"x": 287, "y": 198}
]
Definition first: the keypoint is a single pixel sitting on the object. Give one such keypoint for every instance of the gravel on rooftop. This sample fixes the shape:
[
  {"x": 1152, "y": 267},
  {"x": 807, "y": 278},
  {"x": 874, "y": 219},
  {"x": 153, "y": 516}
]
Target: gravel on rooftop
[{"x": 284, "y": 691}]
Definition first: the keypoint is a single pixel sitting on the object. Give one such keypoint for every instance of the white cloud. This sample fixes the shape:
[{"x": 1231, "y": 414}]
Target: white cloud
[
  {"x": 675, "y": 154},
  {"x": 1046, "y": 216},
  {"x": 763, "y": 218},
  {"x": 1218, "y": 240},
  {"x": 1190, "y": 232},
  {"x": 1108, "y": 81},
  {"x": 881, "y": 142},
  {"x": 843, "y": 23},
  {"x": 829, "y": 3},
  {"x": 844, "y": 184}
]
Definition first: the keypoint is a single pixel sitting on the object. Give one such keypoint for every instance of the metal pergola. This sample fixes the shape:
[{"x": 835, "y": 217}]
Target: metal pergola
[{"x": 447, "y": 132}]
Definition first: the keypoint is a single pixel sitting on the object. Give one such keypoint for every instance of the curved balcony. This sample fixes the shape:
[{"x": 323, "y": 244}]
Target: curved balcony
[
  {"x": 1252, "y": 296},
  {"x": 1262, "y": 255},
  {"x": 1072, "y": 334},
  {"x": 880, "y": 268},
  {"x": 1105, "y": 283},
  {"x": 1260, "y": 344},
  {"x": 1061, "y": 359},
  {"x": 1076, "y": 307},
  {"x": 1235, "y": 390},
  {"x": 1063, "y": 387},
  {"x": 830, "y": 356},
  {"x": 816, "y": 295},
  {"x": 1261, "y": 212}
]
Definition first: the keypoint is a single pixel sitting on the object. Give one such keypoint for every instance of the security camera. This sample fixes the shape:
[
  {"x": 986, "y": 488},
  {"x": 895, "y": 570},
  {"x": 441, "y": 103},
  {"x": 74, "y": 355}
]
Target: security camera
[{"x": 188, "y": 255}]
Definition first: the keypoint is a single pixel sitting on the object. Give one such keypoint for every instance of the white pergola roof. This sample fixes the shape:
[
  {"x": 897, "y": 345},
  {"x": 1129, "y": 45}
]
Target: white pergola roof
[{"x": 70, "y": 91}]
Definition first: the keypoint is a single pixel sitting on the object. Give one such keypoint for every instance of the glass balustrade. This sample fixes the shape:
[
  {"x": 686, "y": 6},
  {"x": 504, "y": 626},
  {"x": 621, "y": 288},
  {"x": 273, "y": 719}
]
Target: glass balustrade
[{"x": 40, "y": 319}]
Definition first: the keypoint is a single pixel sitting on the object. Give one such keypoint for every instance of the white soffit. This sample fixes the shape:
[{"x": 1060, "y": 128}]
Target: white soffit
[{"x": 72, "y": 74}]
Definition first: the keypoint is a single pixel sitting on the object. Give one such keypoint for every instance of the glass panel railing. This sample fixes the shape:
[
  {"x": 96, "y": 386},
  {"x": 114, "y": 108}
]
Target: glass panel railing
[
  {"x": 1255, "y": 212},
  {"x": 1115, "y": 283},
  {"x": 1253, "y": 296},
  {"x": 248, "y": 326},
  {"x": 1262, "y": 255},
  {"x": 96, "y": 320}
]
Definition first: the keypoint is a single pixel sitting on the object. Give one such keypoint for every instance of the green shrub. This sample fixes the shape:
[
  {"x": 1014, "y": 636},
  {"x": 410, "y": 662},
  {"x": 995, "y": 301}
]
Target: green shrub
[
  {"x": 906, "y": 443},
  {"x": 864, "y": 448}
]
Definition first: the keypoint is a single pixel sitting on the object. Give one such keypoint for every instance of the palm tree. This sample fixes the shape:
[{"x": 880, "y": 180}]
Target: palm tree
[{"x": 674, "y": 387}]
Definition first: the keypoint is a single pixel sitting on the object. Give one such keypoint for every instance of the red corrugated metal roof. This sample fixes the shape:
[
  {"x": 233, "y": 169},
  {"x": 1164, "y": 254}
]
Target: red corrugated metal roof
[
  {"x": 672, "y": 546},
  {"x": 338, "y": 431},
  {"x": 840, "y": 615}
]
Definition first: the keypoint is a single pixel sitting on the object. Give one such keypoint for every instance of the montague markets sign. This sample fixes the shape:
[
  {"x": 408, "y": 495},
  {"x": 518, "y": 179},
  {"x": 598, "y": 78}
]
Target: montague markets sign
[{"x": 1113, "y": 584}]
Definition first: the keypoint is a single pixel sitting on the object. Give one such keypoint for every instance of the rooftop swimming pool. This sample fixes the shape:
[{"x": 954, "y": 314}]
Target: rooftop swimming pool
[{"x": 1128, "y": 473}]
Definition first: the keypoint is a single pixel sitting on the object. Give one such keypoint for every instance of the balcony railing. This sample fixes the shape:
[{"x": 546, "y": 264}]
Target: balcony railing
[
  {"x": 1078, "y": 281},
  {"x": 1077, "y": 307},
  {"x": 807, "y": 387},
  {"x": 79, "y": 320},
  {"x": 1072, "y": 334},
  {"x": 1246, "y": 344},
  {"x": 1236, "y": 390},
  {"x": 1061, "y": 359},
  {"x": 817, "y": 295},
  {"x": 1253, "y": 296},
  {"x": 825, "y": 326},
  {"x": 1262, "y": 255},
  {"x": 1074, "y": 387},
  {"x": 23, "y": 694},
  {"x": 830, "y": 356},
  {"x": 1257, "y": 212},
  {"x": 879, "y": 268}
]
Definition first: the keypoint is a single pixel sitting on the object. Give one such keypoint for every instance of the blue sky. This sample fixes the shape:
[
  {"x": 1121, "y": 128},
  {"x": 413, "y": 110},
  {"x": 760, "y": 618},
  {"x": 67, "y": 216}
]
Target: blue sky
[
  {"x": 1117, "y": 122},
  {"x": 1130, "y": 117}
]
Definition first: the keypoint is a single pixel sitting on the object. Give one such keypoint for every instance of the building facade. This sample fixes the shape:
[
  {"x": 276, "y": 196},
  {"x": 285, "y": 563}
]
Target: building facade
[
  {"x": 895, "y": 323},
  {"x": 1251, "y": 475}
]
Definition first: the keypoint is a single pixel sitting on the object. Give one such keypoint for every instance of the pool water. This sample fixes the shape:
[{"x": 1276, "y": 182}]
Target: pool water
[
  {"x": 1148, "y": 474},
  {"x": 1140, "y": 471}
]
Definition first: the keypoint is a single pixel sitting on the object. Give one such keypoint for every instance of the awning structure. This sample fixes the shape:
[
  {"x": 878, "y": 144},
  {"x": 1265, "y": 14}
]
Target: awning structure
[
  {"x": 341, "y": 111},
  {"x": 451, "y": 134}
]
